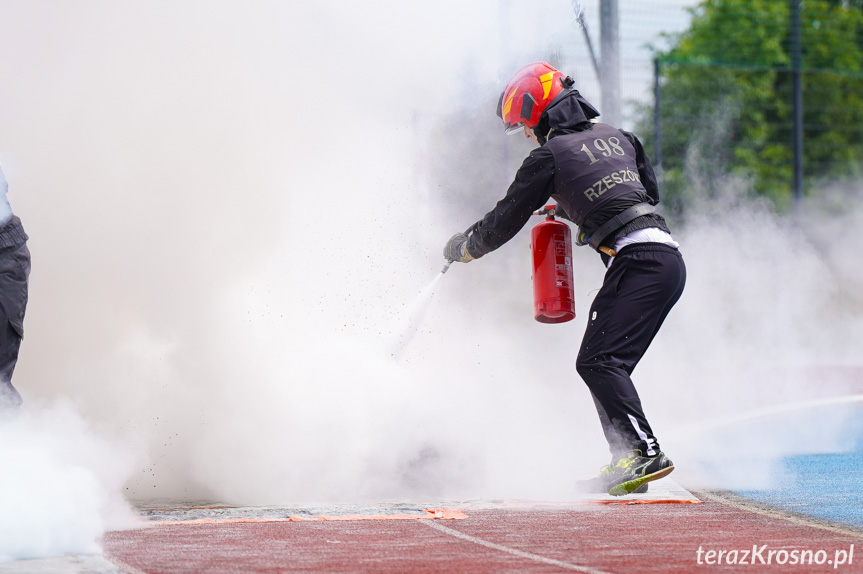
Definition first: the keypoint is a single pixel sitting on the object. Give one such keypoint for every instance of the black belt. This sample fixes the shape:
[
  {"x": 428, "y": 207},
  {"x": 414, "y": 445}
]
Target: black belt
[{"x": 618, "y": 221}]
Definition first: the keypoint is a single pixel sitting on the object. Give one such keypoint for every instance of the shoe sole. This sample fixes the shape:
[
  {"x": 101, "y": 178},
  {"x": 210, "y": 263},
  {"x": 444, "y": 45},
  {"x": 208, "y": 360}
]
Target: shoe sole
[
  {"x": 603, "y": 489},
  {"x": 630, "y": 486}
]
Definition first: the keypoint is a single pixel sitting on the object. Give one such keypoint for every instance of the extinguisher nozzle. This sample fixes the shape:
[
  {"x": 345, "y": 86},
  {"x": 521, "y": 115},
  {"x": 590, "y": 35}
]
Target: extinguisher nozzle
[{"x": 446, "y": 266}]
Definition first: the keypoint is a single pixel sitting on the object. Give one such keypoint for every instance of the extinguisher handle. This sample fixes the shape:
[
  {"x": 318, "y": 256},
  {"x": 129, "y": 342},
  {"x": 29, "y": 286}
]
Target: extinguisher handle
[{"x": 547, "y": 210}]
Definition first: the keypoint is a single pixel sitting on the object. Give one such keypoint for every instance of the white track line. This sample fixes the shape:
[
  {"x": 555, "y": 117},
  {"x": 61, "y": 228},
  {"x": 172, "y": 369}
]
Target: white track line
[
  {"x": 535, "y": 557},
  {"x": 779, "y": 513},
  {"x": 762, "y": 413}
]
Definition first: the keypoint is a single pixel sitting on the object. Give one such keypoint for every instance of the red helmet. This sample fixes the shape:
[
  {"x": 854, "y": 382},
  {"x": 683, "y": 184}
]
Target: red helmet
[{"x": 528, "y": 94}]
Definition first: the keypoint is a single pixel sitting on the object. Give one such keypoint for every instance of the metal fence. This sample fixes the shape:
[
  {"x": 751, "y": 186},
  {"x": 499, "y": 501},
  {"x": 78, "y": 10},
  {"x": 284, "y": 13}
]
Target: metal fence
[{"x": 747, "y": 105}]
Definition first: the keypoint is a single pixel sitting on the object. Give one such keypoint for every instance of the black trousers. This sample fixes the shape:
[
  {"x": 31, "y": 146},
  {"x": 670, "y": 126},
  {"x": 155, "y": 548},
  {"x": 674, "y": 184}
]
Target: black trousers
[
  {"x": 14, "y": 274},
  {"x": 640, "y": 288}
]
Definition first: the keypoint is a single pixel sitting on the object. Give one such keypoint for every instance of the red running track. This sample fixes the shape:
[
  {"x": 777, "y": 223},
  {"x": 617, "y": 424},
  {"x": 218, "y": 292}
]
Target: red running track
[{"x": 644, "y": 538}]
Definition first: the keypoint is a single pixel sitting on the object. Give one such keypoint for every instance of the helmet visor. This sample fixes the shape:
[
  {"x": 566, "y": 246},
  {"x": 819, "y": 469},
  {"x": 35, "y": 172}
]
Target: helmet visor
[{"x": 514, "y": 129}]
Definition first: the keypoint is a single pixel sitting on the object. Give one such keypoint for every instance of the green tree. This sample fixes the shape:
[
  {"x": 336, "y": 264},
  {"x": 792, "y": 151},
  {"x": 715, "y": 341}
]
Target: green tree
[{"x": 726, "y": 97}]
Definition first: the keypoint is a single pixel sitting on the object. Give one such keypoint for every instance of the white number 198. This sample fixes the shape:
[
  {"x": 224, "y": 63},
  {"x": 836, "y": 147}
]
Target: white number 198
[{"x": 604, "y": 148}]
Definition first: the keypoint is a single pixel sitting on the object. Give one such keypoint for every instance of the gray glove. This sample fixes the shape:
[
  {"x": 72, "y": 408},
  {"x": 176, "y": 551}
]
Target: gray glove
[{"x": 456, "y": 249}]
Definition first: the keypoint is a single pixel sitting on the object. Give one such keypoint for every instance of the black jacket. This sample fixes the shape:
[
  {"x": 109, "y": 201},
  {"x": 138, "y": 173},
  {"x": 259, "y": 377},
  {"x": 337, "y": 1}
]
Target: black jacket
[{"x": 545, "y": 174}]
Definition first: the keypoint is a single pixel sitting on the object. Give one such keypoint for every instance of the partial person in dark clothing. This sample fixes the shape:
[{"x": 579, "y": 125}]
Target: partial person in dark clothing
[
  {"x": 14, "y": 274},
  {"x": 603, "y": 182}
]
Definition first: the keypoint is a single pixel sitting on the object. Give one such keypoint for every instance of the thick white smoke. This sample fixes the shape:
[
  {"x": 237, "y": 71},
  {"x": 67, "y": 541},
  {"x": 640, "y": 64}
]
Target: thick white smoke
[
  {"x": 229, "y": 209},
  {"x": 62, "y": 483},
  {"x": 770, "y": 319},
  {"x": 233, "y": 207}
]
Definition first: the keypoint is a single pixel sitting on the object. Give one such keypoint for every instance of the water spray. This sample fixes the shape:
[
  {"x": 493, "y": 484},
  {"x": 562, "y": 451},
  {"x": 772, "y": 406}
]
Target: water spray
[
  {"x": 410, "y": 322},
  {"x": 416, "y": 313}
]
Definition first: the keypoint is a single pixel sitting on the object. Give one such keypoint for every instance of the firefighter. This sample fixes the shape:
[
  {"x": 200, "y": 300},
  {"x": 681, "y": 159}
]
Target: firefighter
[
  {"x": 14, "y": 274},
  {"x": 602, "y": 181}
]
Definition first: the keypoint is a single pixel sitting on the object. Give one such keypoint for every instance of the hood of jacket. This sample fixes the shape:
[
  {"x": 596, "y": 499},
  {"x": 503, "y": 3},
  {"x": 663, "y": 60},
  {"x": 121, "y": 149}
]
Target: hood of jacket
[{"x": 568, "y": 112}]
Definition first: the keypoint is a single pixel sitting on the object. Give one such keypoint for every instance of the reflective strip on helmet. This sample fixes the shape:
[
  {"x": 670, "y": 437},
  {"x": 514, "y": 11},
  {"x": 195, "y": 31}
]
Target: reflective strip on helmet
[
  {"x": 507, "y": 104},
  {"x": 545, "y": 79}
]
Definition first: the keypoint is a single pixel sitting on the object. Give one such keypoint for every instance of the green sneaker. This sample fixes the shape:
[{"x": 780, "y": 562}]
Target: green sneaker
[
  {"x": 603, "y": 482},
  {"x": 635, "y": 471}
]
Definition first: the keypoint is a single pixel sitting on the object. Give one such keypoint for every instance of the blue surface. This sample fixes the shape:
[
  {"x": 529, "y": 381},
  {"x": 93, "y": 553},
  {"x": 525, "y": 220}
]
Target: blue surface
[{"x": 828, "y": 486}]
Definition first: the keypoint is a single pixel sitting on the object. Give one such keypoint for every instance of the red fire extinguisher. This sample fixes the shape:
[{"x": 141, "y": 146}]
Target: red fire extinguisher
[{"x": 553, "y": 291}]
